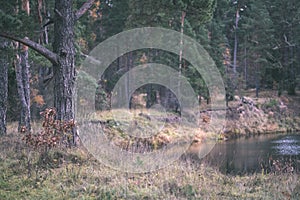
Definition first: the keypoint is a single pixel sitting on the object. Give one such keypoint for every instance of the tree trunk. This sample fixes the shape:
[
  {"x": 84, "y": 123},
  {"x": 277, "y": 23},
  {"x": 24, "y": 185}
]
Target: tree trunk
[
  {"x": 245, "y": 67},
  {"x": 181, "y": 41},
  {"x": 3, "y": 91},
  {"x": 292, "y": 73},
  {"x": 64, "y": 70},
  {"x": 149, "y": 91},
  {"x": 257, "y": 80},
  {"x": 237, "y": 17},
  {"x": 129, "y": 79},
  {"x": 183, "y": 13},
  {"x": 23, "y": 75}
]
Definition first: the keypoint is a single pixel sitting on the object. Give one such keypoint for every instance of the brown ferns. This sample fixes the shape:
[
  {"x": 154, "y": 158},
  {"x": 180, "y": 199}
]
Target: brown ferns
[{"x": 54, "y": 131}]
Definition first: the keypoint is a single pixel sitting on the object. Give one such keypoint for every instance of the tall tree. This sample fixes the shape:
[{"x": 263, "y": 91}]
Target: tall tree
[
  {"x": 22, "y": 77},
  {"x": 258, "y": 33},
  {"x": 23, "y": 84},
  {"x": 62, "y": 56},
  {"x": 3, "y": 85}
]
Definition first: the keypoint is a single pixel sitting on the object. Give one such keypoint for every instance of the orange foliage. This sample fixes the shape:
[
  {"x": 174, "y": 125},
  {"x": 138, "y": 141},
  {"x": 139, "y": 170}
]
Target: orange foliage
[
  {"x": 34, "y": 79},
  {"x": 143, "y": 58},
  {"x": 94, "y": 13},
  {"x": 226, "y": 56},
  {"x": 39, "y": 100},
  {"x": 36, "y": 98}
]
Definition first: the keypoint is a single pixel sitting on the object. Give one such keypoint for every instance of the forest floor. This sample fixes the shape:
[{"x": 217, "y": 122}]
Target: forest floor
[{"x": 64, "y": 173}]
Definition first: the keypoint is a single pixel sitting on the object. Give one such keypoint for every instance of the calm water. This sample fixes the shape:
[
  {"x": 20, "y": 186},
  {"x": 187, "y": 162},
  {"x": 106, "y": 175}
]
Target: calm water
[{"x": 248, "y": 155}]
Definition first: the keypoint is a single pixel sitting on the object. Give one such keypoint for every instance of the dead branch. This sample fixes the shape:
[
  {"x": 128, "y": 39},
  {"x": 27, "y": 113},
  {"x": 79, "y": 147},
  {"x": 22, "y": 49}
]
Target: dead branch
[
  {"x": 52, "y": 57},
  {"x": 84, "y": 8},
  {"x": 287, "y": 42}
]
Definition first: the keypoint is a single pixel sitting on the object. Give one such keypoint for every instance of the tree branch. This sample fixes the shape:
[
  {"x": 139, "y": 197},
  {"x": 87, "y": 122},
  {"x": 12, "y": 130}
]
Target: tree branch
[
  {"x": 52, "y": 57},
  {"x": 287, "y": 42},
  {"x": 84, "y": 8}
]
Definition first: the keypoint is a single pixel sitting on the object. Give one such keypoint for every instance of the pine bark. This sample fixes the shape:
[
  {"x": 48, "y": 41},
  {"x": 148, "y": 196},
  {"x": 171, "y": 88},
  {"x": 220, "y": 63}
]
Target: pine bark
[
  {"x": 3, "y": 92},
  {"x": 64, "y": 70},
  {"x": 22, "y": 68}
]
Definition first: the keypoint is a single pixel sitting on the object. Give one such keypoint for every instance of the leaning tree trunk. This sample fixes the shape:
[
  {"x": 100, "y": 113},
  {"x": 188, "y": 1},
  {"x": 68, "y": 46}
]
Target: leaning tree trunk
[
  {"x": 64, "y": 71},
  {"x": 3, "y": 91},
  {"x": 23, "y": 75}
]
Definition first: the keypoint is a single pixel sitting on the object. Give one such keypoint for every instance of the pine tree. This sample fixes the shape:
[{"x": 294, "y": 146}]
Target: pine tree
[
  {"x": 257, "y": 36},
  {"x": 63, "y": 55},
  {"x": 3, "y": 85},
  {"x": 285, "y": 16}
]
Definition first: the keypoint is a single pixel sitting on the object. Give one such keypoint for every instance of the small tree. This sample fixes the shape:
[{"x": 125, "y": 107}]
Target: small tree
[{"x": 54, "y": 133}]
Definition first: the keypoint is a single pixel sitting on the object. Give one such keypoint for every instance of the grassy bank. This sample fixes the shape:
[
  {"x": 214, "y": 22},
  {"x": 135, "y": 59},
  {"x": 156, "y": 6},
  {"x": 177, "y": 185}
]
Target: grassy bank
[
  {"x": 74, "y": 174},
  {"x": 267, "y": 114}
]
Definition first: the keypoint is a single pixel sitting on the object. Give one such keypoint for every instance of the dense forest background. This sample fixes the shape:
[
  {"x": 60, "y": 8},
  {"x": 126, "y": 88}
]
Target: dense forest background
[{"x": 254, "y": 44}]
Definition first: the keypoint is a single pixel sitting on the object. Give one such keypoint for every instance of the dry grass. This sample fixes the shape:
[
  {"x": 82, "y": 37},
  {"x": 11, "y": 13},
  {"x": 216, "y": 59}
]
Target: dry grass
[{"x": 75, "y": 174}]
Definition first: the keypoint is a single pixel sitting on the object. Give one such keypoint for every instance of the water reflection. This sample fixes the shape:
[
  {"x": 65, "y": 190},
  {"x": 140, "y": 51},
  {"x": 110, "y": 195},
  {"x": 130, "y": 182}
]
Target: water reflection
[
  {"x": 248, "y": 155},
  {"x": 289, "y": 145}
]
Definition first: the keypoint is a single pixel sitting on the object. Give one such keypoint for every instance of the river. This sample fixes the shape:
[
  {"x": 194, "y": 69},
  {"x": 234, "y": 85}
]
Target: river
[{"x": 267, "y": 152}]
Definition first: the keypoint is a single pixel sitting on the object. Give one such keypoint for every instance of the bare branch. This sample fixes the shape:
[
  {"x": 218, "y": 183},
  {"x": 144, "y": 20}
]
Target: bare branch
[
  {"x": 48, "y": 23},
  {"x": 52, "y": 57},
  {"x": 58, "y": 13},
  {"x": 287, "y": 42},
  {"x": 84, "y": 8}
]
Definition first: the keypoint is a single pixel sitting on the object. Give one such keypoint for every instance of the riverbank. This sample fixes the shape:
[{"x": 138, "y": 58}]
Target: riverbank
[
  {"x": 248, "y": 115},
  {"x": 75, "y": 174}
]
